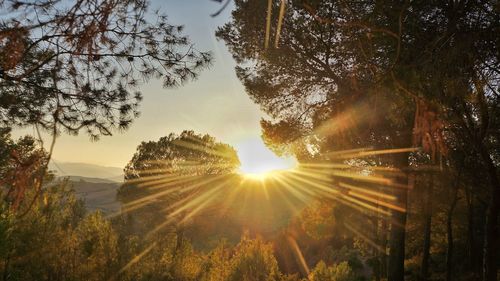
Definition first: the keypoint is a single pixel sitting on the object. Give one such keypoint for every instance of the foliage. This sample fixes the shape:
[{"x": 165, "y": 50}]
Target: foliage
[
  {"x": 318, "y": 220},
  {"x": 22, "y": 166},
  {"x": 217, "y": 265},
  {"x": 345, "y": 76},
  {"x": 43, "y": 241},
  {"x": 171, "y": 170},
  {"x": 185, "y": 154},
  {"x": 350, "y": 75},
  {"x": 253, "y": 260},
  {"x": 338, "y": 272},
  {"x": 78, "y": 64},
  {"x": 98, "y": 243}
]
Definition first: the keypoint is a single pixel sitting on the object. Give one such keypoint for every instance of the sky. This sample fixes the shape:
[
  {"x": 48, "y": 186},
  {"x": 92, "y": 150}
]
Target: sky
[{"x": 216, "y": 103}]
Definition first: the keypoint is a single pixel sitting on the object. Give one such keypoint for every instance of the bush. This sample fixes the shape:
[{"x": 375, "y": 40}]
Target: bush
[{"x": 338, "y": 272}]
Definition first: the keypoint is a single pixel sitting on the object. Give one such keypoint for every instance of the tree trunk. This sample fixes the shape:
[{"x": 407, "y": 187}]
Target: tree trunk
[
  {"x": 471, "y": 252},
  {"x": 449, "y": 236},
  {"x": 395, "y": 268},
  {"x": 395, "y": 271},
  {"x": 490, "y": 253},
  {"x": 383, "y": 244},
  {"x": 424, "y": 269},
  {"x": 180, "y": 238},
  {"x": 6, "y": 267},
  {"x": 396, "y": 260},
  {"x": 375, "y": 251}
]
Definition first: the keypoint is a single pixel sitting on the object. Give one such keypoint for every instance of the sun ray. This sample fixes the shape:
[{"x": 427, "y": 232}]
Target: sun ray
[
  {"x": 166, "y": 180},
  {"x": 298, "y": 253},
  {"x": 320, "y": 186},
  {"x": 376, "y": 201},
  {"x": 314, "y": 174},
  {"x": 188, "y": 202},
  {"x": 365, "y": 238},
  {"x": 296, "y": 193},
  {"x": 293, "y": 208},
  {"x": 208, "y": 180},
  {"x": 203, "y": 198},
  {"x": 143, "y": 201},
  {"x": 344, "y": 174},
  {"x": 340, "y": 153},
  {"x": 378, "y": 152},
  {"x": 201, "y": 148},
  {"x": 134, "y": 260},
  {"x": 368, "y": 191},
  {"x": 231, "y": 195},
  {"x": 301, "y": 188},
  {"x": 366, "y": 205},
  {"x": 324, "y": 165}
]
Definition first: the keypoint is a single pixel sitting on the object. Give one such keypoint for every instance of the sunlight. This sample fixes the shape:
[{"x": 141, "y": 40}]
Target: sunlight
[{"x": 258, "y": 161}]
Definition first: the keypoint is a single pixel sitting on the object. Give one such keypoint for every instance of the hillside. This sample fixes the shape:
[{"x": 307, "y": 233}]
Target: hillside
[
  {"x": 98, "y": 194},
  {"x": 103, "y": 173}
]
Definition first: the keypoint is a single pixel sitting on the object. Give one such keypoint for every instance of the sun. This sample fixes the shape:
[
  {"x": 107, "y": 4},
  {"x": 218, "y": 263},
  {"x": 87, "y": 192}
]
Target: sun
[{"x": 258, "y": 162}]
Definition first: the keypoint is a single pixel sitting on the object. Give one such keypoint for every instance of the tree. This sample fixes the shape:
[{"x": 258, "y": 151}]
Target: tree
[
  {"x": 41, "y": 244},
  {"x": 412, "y": 63},
  {"x": 253, "y": 260},
  {"x": 22, "y": 166},
  {"x": 217, "y": 264},
  {"x": 97, "y": 242},
  {"x": 185, "y": 154},
  {"x": 169, "y": 174},
  {"x": 78, "y": 66},
  {"x": 318, "y": 84},
  {"x": 338, "y": 272}
]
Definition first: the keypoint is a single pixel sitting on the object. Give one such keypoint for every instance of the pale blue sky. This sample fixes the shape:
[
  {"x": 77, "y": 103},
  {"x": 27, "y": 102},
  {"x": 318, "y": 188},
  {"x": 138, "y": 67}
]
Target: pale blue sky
[{"x": 216, "y": 103}]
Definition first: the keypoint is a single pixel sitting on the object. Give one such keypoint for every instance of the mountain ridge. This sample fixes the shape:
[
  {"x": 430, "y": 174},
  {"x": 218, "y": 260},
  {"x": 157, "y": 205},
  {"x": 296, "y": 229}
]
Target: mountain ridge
[{"x": 85, "y": 170}]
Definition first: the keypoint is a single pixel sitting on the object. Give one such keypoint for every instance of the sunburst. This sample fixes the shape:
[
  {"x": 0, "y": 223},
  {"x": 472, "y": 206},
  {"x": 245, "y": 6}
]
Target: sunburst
[
  {"x": 367, "y": 190},
  {"x": 258, "y": 162}
]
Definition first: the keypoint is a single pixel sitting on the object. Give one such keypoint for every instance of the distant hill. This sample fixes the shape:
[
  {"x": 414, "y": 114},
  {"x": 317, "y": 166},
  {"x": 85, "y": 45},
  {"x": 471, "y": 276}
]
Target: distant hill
[
  {"x": 77, "y": 170},
  {"x": 98, "y": 194},
  {"x": 87, "y": 179}
]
